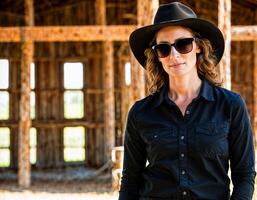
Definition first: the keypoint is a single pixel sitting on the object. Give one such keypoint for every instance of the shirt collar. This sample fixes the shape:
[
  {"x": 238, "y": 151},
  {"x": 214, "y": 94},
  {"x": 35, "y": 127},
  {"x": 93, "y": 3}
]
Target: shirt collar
[{"x": 206, "y": 91}]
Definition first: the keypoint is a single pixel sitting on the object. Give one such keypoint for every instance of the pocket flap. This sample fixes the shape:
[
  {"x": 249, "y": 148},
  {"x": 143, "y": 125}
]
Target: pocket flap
[{"x": 212, "y": 128}]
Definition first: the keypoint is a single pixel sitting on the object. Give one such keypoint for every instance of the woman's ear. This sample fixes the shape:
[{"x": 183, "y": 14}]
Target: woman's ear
[{"x": 197, "y": 49}]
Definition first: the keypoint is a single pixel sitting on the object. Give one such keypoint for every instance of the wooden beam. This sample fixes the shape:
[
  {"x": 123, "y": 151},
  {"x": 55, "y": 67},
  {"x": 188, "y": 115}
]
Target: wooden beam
[
  {"x": 24, "y": 168},
  {"x": 146, "y": 10},
  {"x": 67, "y": 33},
  {"x": 109, "y": 99},
  {"x": 224, "y": 19},
  {"x": 254, "y": 123},
  {"x": 244, "y": 33},
  {"x": 255, "y": 92},
  {"x": 100, "y": 8},
  {"x": 96, "y": 33},
  {"x": 58, "y": 123}
]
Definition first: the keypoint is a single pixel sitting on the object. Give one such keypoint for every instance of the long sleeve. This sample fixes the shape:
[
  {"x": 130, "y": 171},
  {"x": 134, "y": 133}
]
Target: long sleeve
[
  {"x": 134, "y": 160},
  {"x": 241, "y": 152}
]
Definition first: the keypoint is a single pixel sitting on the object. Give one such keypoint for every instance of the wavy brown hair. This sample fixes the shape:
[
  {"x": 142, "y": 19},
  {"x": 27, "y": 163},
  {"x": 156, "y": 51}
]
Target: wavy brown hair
[{"x": 206, "y": 66}]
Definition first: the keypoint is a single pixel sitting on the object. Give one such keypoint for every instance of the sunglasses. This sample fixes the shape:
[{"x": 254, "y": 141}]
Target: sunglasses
[{"x": 183, "y": 46}]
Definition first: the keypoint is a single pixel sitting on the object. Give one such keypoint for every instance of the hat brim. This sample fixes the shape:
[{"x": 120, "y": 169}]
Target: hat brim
[{"x": 140, "y": 38}]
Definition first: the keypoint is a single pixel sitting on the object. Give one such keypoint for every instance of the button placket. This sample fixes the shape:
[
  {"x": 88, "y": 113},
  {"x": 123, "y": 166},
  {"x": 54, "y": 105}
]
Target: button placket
[{"x": 182, "y": 155}]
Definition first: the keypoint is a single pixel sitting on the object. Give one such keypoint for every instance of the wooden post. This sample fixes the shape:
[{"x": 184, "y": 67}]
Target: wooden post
[
  {"x": 146, "y": 10},
  {"x": 100, "y": 8},
  {"x": 117, "y": 159},
  {"x": 224, "y": 19},
  {"x": 244, "y": 33},
  {"x": 24, "y": 115},
  {"x": 109, "y": 100},
  {"x": 255, "y": 87}
]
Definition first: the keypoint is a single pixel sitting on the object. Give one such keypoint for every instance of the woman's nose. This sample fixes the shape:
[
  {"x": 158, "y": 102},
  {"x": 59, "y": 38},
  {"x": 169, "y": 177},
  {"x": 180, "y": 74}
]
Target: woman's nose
[{"x": 174, "y": 52}]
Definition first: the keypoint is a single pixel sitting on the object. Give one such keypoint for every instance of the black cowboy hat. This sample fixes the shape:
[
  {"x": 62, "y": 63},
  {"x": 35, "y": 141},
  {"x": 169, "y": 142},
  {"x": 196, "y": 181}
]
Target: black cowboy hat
[{"x": 175, "y": 13}]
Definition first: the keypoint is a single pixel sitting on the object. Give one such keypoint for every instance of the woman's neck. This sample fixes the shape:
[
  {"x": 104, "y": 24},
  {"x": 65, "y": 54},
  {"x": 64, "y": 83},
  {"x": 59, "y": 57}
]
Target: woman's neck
[{"x": 184, "y": 88}]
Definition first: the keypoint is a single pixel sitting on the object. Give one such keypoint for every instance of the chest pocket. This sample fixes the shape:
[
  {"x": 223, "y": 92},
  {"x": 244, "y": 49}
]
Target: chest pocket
[
  {"x": 162, "y": 135},
  {"x": 160, "y": 143},
  {"x": 211, "y": 139}
]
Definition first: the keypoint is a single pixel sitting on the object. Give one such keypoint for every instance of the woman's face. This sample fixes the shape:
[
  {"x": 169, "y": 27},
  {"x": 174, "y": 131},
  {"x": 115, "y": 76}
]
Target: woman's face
[{"x": 177, "y": 64}]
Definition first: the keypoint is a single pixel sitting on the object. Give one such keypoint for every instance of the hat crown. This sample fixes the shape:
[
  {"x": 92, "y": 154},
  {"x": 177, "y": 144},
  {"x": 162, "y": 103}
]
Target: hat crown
[{"x": 172, "y": 12}]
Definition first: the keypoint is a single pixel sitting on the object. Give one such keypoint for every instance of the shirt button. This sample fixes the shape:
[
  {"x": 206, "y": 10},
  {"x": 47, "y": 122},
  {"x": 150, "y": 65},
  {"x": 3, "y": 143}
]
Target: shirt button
[
  {"x": 184, "y": 193},
  {"x": 187, "y": 112},
  {"x": 183, "y": 172},
  {"x": 182, "y": 137},
  {"x": 182, "y": 155}
]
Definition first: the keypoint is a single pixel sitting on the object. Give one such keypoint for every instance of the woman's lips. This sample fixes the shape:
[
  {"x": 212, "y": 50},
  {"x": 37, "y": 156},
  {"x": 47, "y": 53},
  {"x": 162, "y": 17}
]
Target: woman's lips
[{"x": 177, "y": 64}]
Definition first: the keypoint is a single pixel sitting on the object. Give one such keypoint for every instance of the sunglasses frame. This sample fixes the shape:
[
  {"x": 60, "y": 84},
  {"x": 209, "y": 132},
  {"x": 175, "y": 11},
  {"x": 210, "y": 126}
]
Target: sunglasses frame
[{"x": 175, "y": 46}]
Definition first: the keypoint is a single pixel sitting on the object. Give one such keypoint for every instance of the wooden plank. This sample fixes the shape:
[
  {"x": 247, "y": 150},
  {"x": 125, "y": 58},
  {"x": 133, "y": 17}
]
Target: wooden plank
[
  {"x": 224, "y": 18},
  {"x": 27, "y": 47},
  {"x": 100, "y": 8},
  {"x": 109, "y": 100},
  {"x": 96, "y": 33},
  {"x": 244, "y": 33},
  {"x": 254, "y": 123},
  {"x": 58, "y": 123},
  {"x": 67, "y": 33},
  {"x": 146, "y": 10}
]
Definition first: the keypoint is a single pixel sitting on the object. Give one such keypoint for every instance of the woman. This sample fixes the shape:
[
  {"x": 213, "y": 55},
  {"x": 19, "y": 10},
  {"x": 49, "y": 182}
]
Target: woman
[{"x": 180, "y": 139}]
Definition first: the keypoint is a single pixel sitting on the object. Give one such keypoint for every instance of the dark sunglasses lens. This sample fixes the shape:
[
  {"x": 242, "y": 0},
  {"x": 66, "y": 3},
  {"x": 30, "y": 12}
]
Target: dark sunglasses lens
[
  {"x": 184, "y": 45},
  {"x": 162, "y": 50}
]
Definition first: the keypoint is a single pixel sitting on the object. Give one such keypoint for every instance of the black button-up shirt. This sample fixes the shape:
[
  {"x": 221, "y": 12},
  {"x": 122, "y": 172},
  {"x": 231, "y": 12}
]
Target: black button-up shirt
[{"x": 171, "y": 156}]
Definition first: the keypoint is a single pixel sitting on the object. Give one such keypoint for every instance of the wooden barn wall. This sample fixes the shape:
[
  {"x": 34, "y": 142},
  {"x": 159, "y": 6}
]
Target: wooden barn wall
[
  {"x": 49, "y": 59},
  {"x": 242, "y": 57},
  {"x": 83, "y": 13},
  {"x": 49, "y": 121}
]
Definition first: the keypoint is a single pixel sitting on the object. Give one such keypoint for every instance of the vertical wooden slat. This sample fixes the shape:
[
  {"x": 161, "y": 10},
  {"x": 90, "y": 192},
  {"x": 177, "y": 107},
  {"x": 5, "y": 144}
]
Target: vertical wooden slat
[
  {"x": 255, "y": 87},
  {"x": 146, "y": 10},
  {"x": 224, "y": 20},
  {"x": 24, "y": 118}
]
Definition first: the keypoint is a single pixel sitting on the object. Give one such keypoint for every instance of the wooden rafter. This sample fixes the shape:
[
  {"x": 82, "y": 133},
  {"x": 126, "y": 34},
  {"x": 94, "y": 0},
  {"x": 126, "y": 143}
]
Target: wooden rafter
[
  {"x": 96, "y": 33},
  {"x": 66, "y": 33},
  {"x": 244, "y": 33}
]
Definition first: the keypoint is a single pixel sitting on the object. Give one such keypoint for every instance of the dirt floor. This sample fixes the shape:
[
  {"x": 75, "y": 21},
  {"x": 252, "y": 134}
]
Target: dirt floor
[{"x": 74, "y": 190}]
